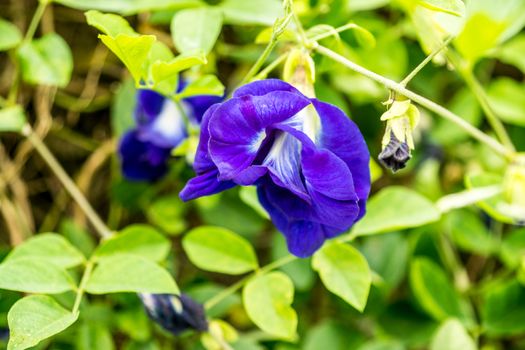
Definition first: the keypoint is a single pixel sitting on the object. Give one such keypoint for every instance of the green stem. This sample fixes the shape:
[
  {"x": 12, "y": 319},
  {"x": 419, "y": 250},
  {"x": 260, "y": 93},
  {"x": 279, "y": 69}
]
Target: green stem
[
  {"x": 423, "y": 63},
  {"x": 496, "y": 124},
  {"x": 67, "y": 182},
  {"x": 333, "y": 31},
  {"x": 35, "y": 21},
  {"x": 423, "y": 101},
  {"x": 260, "y": 61},
  {"x": 216, "y": 299},
  {"x": 264, "y": 73},
  {"x": 82, "y": 287}
]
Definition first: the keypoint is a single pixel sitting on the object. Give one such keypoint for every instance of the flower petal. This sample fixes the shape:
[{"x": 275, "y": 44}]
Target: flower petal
[
  {"x": 237, "y": 128},
  {"x": 142, "y": 160},
  {"x": 198, "y": 105},
  {"x": 203, "y": 162},
  {"x": 341, "y": 136},
  {"x": 149, "y": 105},
  {"x": 167, "y": 128},
  {"x": 204, "y": 185},
  {"x": 263, "y": 87}
]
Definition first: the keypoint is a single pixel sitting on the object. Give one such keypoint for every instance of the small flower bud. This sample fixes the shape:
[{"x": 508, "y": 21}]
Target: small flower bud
[
  {"x": 401, "y": 119},
  {"x": 299, "y": 71},
  {"x": 175, "y": 313}
]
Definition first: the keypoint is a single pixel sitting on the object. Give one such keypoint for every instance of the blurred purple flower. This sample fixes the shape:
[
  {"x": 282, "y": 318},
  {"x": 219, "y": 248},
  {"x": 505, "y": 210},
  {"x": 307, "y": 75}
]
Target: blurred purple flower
[
  {"x": 175, "y": 313},
  {"x": 160, "y": 127},
  {"x": 308, "y": 160}
]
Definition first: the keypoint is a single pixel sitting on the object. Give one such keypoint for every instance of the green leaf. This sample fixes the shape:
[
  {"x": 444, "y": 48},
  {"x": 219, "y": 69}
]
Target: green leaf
[
  {"x": 165, "y": 75},
  {"x": 94, "y": 336},
  {"x": 219, "y": 250},
  {"x": 344, "y": 272},
  {"x": 129, "y": 7},
  {"x": 48, "y": 247},
  {"x": 503, "y": 311},
  {"x": 168, "y": 213},
  {"x": 451, "y": 335},
  {"x": 141, "y": 240},
  {"x": 513, "y": 248},
  {"x": 132, "y": 50},
  {"x": 493, "y": 205},
  {"x": 253, "y": 12},
  {"x": 46, "y": 61},
  {"x": 204, "y": 85},
  {"x": 452, "y": 7},
  {"x": 433, "y": 291},
  {"x": 396, "y": 208},
  {"x": 513, "y": 52},
  {"x": 109, "y": 24},
  {"x": 196, "y": 29},
  {"x": 332, "y": 335},
  {"x": 248, "y": 195},
  {"x": 267, "y": 299},
  {"x": 35, "y": 318},
  {"x": 507, "y": 98},
  {"x": 10, "y": 35},
  {"x": 12, "y": 119},
  {"x": 31, "y": 275},
  {"x": 130, "y": 273},
  {"x": 122, "y": 108},
  {"x": 469, "y": 233}
]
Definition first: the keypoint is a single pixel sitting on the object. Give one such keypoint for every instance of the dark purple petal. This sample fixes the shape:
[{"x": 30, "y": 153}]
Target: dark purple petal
[
  {"x": 341, "y": 136},
  {"x": 198, "y": 105},
  {"x": 263, "y": 87},
  {"x": 204, "y": 185},
  {"x": 203, "y": 161},
  {"x": 237, "y": 128},
  {"x": 149, "y": 105},
  {"x": 142, "y": 160}
]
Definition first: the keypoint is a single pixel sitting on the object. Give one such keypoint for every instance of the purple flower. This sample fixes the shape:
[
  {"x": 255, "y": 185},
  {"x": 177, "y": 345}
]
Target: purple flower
[
  {"x": 160, "y": 127},
  {"x": 175, "y": 313},
  {"x": 308, "y": 160}
]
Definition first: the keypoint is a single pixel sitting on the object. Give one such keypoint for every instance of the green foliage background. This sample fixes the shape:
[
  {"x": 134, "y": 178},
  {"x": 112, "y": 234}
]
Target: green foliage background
[{"x": 422, "y": 270}]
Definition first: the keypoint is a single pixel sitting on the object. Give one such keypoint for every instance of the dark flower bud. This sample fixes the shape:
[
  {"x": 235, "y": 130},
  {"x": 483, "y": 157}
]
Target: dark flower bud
[
  {"x": 395, "y": 154},
  {"x": 175, "y": 313}
]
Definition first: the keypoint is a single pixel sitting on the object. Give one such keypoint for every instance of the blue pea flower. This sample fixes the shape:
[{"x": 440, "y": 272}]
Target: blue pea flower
[
  {"x": 308, "y": 160},
  {"x": 175, "y": 313},
  {"x": 160, "y": 127}
]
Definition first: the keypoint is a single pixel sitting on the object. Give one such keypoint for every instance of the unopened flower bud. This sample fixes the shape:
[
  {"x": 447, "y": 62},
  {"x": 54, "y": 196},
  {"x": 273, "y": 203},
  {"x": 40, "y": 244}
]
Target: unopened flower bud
[
  {"x": 175, "y": 313},
  {"x": 401, "y": 119},
  {"x": 299, "y": 71}
]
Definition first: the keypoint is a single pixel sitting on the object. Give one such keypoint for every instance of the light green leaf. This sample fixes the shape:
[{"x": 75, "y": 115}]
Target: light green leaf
[
  {"x": 130, "y": 273},
  {"x": 168, "y": 213},
  {"x": 196, "y": 29},
  {"x": 109, "y": 24},
  {"x": 129, "y": 7},
  {"x": 513, "y": 52},
  {"x": 507, "y": 98},
  {"x": 513, "y": 248},
  {"x": 204, "y": 85},
  {"x": 469, "y": 233},
  {"x": 267, "y": 299},
  {"x": 452, "y": 7},
  {"x": 396, "y": 208},
  {"x": 122, "y": 108},
  {"x": 12, "y": 119},
  {"x": 451, "y": 335},
  {"x": 503, "y": 310},
  {"x": 220, "y": 250},
  {"x": 132, "y": 50},
  {"x": 493, "y": 205},
  {"x": 48, "y": 247},
  {"x": 46, "y": 61},
  {"x": 248, "y": 195},
  {"x": 433, "y": 290},
  {"x": 10, "y": 35},
  {"x": 253, "y": 12},
  {"x": 344, "y": 272},
  {"x": 141, "y": 240},
  {"x": 92, "y": 336},
  {"x": 35, "y": 318},
  {"x": 365, "y": 5},
  {"x": 165, "y": 75},
  {"x": 34, "y": 276}
]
